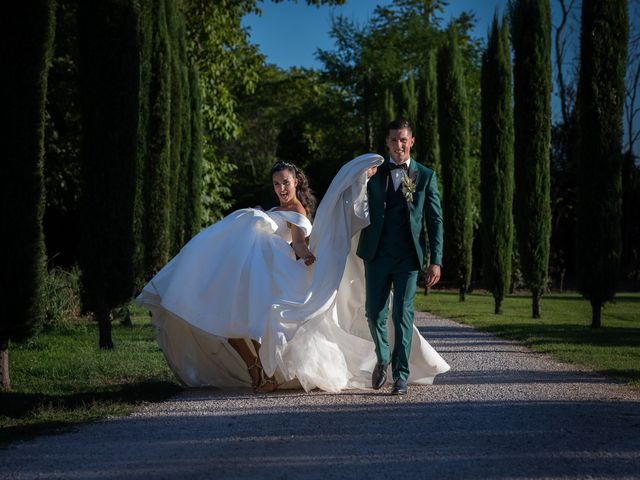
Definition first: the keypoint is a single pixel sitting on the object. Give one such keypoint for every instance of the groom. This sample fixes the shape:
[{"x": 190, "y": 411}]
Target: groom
[{"x": 403, "y": 197}]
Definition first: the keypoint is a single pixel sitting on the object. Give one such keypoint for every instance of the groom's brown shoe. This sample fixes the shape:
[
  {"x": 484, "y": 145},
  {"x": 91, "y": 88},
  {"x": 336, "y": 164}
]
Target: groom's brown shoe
[{"x": 379, "y": 376}]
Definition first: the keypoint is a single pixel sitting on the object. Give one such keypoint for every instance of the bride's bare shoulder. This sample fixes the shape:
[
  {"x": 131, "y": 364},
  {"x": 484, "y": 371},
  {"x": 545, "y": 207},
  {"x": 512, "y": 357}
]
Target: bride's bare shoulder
[{"x": 298, "y": 208}]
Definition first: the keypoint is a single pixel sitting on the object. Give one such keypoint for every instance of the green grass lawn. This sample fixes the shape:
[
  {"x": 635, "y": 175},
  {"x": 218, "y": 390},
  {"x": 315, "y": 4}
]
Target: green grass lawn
[
  {"x": 564, "y": 330},
  {"x": 61, "y": 377}
]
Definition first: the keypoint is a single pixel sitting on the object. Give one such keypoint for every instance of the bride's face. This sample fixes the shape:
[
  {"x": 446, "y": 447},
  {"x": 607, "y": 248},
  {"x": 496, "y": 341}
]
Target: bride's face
[{"x": 284, "y": 184}]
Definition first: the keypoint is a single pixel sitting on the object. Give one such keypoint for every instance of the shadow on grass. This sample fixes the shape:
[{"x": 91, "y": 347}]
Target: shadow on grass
[
  {"x": 65, "y": 411},
  {"x": 623, "y": 297},
  {"x": 564, "y": 296},
  {"x": 535, "y": 333},
  {"x": 626, "y": 298},
  {"x": 573, "y": 334}
]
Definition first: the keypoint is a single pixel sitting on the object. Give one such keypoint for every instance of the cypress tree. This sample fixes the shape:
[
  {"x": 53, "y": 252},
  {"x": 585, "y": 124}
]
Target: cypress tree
[
  {"x": 25, "y": 53},
  {"x": 110, "y": 75},
  {"x": 145, "y": 32},
  {"x": 453, "y": 125},
  {"x": 175, "y": 123},
  {"x": 185, "y": 135},
  {"x": 156, "y": 188},
  {"x": 410, "y": 100},
  {"x": 531, "y": 25},
  {"x": 389, "y": 107},
  {"x": 390, "y": 112},
  {"x": 497, "y": 163},
  {"x": 427, "y": 134},
  {"x": 630, "y": 260},
  {"x": 601, "y": 90},
  {"x": 193, "y": 211},
  {"x": 428, "y": 150}
]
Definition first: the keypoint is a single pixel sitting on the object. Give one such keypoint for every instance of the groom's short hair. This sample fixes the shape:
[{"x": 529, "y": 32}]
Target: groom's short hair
[{"x": 399, "y": 124}]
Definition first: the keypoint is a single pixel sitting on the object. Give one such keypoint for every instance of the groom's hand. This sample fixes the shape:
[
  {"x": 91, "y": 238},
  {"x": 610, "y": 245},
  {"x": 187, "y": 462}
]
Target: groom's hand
[{"x": 433, "y": 275}]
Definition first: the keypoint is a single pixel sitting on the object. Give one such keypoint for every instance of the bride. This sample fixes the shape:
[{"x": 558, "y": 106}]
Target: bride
[{"x": 261, "y": 299}]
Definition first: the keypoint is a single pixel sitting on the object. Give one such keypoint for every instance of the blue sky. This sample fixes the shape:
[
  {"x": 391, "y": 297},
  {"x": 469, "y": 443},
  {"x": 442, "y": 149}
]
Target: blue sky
[{"x": 289, "y": 33}]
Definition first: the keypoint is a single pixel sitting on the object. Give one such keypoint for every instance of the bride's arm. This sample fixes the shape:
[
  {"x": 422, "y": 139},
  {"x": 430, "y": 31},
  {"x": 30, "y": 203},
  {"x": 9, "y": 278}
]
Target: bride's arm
[{"x": 299, "y": 244}]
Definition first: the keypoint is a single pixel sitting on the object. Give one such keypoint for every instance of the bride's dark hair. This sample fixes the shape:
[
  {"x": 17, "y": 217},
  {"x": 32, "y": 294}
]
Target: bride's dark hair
[{"x": 303, "y": 191}]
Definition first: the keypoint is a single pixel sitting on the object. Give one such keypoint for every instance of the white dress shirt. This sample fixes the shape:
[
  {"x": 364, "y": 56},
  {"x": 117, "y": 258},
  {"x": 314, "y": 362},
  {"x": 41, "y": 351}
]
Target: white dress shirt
[{"x": 397, "y": 174}]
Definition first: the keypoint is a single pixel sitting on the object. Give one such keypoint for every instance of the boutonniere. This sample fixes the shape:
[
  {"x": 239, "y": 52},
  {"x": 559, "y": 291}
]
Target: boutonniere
[{"x": 408, "y": 187}]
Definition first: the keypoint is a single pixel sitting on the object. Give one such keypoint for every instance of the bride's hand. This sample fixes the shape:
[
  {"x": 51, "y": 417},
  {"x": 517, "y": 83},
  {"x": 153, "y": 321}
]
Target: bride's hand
[{"x": 309, "y": 258}]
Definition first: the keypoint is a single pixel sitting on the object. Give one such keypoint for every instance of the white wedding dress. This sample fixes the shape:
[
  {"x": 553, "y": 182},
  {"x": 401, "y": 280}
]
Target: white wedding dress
[{"x": 239, "y": 278}]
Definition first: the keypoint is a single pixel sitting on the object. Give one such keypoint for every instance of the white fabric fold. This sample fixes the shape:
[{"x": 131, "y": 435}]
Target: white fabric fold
[{"x": 239, "y": 278}]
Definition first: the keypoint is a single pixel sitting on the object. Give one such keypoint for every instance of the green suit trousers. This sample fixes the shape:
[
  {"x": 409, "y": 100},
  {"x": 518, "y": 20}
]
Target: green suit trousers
[{"x": 381, "y": 274}]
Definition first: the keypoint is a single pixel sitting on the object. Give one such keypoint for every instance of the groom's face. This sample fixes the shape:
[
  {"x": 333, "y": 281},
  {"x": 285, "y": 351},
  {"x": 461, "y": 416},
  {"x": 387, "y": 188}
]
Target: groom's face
[{"x": 399, "y": 143}]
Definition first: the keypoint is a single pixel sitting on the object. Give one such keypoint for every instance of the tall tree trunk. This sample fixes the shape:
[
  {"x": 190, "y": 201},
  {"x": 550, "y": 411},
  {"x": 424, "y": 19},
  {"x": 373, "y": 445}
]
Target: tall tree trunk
[
  {"x": 4, "y": 365},
  {"x": 104, "y": 328},
  {"x": 596, "y": 313},
  {"x": 498, "y": 306},
  {"x": 535, "y": 303}
]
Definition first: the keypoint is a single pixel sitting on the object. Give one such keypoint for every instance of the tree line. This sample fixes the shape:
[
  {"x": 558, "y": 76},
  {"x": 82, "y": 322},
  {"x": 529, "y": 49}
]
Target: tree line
[
  {"x": 137, "y": 122},
  {"x": 139, "y": 151},
  {"x": 482, "y": 117}
]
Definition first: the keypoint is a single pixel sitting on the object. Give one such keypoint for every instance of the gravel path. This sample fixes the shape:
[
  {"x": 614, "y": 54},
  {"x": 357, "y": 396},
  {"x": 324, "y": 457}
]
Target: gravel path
[{"x": 501, "y": 412}]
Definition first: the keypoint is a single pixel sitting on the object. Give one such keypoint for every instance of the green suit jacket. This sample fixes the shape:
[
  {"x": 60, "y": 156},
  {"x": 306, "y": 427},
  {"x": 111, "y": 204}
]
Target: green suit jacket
[{"x": 425, "y": 212}]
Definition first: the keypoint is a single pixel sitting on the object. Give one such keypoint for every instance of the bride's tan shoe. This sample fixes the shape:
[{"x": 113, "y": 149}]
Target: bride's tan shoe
[{"x": 268, "y": 385}]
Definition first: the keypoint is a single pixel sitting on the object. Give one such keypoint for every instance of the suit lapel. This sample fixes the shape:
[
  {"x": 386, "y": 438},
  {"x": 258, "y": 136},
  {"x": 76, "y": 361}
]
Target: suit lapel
[
  {"x": 413, "y": 171},
  {"x": 413, "y": 175}
]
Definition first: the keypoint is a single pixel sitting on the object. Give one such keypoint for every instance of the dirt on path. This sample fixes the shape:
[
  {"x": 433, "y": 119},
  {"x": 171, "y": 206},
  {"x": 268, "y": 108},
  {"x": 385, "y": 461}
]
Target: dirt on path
[{"x": 502, "y": 411}]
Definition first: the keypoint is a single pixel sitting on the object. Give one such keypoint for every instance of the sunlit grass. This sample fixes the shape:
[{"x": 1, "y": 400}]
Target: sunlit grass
[
  {"x": 563, "y": 331},
  {"x": 61, "y": 377}
]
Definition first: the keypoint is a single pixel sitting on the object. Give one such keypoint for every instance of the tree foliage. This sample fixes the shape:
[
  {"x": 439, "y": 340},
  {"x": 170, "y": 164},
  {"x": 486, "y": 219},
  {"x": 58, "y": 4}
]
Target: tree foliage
[
  {"x": 156, "y": 188},
  {"x": 110, "y": 74},
  {"x": 193, "y": 207},
  {"x": 24, "y": 56},
  {"x": 227, "y": 64},
  {"x": 62, "y": 177},
  {"x": 453, "y": 126},
  {"x": 497, "y": 163},
  {"x": 531, "y": 25},
  {"x": 428, "y": 151},
  {"x": 603, "y": 47}
]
